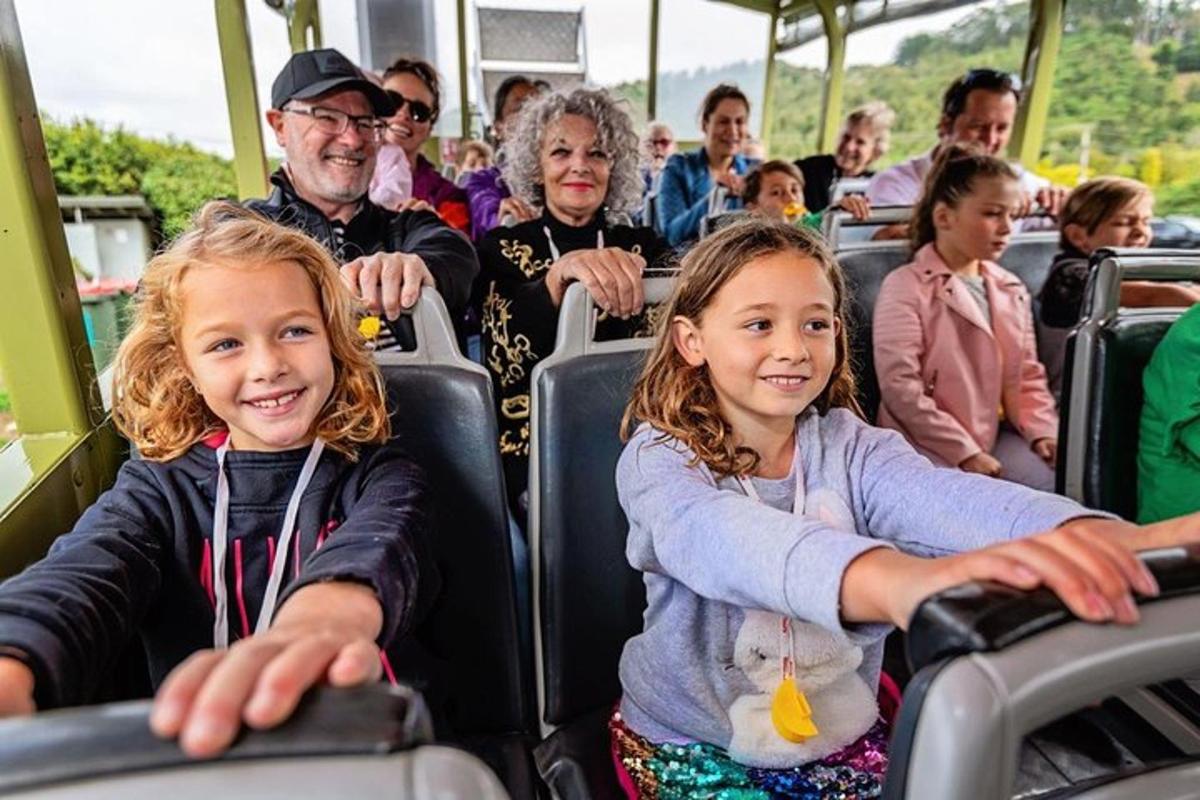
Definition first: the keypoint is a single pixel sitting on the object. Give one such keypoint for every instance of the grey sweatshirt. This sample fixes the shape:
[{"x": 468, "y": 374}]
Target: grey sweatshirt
[{"x": 722, "y": 569}]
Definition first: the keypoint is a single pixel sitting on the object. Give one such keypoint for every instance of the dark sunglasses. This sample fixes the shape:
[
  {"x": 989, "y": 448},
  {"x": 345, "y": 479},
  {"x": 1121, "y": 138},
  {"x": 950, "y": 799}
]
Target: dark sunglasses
[
  {"x": 416, "y": 109},
  {"x": 660, "y": 142}
]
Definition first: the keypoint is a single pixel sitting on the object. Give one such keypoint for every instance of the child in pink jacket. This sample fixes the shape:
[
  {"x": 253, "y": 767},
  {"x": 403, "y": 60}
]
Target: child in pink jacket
[{"x": 955, "y": 349}]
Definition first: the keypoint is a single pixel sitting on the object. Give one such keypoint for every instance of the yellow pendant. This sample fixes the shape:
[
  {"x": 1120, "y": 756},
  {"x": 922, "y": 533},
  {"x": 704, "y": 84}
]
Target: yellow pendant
[
  {"x": 369, "y": 327},
  {"x": 790, "y": 713}
]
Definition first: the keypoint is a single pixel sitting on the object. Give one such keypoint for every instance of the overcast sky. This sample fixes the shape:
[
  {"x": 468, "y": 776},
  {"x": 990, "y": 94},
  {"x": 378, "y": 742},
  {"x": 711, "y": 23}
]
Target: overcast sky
[{"x": 153, "y": 66}]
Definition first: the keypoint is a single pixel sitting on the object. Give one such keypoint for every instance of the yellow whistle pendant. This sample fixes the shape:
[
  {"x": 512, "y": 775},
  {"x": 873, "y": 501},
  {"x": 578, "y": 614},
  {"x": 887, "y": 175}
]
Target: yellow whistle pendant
[
  {"x": 370, "y": 327},
  {"x": 790, "y": 713}
]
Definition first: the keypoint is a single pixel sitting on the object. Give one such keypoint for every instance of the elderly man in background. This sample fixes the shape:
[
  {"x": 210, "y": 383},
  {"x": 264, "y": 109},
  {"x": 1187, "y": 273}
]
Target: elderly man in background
[
  {"x": 327, "y": 116},
  {"x": 864, "y": 138}
]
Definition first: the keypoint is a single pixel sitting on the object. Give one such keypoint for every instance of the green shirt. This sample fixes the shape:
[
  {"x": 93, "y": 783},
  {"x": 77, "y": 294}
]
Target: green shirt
[{"x": 1169, "y": 448}]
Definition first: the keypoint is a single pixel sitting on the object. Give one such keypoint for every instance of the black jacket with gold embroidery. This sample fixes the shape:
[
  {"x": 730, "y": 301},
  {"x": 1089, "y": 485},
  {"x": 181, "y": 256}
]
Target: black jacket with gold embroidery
[{"x": 520, "y": 319}]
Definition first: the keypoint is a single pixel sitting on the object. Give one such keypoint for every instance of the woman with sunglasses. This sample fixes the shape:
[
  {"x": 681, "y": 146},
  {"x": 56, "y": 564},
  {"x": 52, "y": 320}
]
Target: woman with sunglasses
[{"x": 412, "y": 85}]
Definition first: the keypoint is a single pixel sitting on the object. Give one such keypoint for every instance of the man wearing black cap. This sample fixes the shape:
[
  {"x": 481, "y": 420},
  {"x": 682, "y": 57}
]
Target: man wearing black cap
[{"x": 326, "y": 116}]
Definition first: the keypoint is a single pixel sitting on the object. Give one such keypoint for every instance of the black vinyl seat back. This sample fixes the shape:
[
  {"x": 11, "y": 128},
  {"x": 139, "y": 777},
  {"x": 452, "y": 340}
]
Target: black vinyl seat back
[
  {"x": 1122, "y": 350},
  {"x": 587, "y": 599},
  {"x": 1028, "y": 257},
  {"x": 865, "y": 267},
  {"x": 591, "y": 599},
  {"x": 467, "y": 657},
  {"x": 1102, "y": 381}
]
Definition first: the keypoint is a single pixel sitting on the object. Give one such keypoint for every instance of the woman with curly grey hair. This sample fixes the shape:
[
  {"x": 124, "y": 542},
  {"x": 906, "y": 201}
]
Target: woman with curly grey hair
[{"x": 573, "y": 157}]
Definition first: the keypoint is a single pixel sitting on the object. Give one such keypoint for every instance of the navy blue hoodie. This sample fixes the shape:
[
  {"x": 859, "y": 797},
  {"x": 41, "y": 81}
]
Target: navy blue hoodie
[{"x": 139, "y": 561}]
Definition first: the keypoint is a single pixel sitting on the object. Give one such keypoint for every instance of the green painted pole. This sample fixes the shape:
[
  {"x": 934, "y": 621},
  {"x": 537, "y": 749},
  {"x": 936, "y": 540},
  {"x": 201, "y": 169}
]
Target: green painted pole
[
  {"x": 835, "y": 71},
  {"x": 305, "y": 17},
  {"x": 43, "y": 347},
  {"x": 768, "y": 100},
  {"x": 1037, "y": 76},
  {"x": 464, "y": 97},
  {"x": 652, "y": 78},
  {"x": 237, "y": 62}
]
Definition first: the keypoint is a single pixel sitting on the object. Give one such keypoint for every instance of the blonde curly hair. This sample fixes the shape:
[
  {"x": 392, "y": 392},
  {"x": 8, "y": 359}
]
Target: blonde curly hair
[
  {"x": 678, "y": 399},
  {"x": 155, "y": 404}
]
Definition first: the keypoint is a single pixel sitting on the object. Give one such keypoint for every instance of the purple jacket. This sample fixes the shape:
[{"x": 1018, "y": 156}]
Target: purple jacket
[
  {"x": 486, "y": 189},
  {"x": 449, "y": 200}
]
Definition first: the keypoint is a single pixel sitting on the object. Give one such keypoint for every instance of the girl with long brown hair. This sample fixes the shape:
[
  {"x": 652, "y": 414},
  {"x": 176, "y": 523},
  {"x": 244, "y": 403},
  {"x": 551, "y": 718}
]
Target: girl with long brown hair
[{"x": 781, "y": 537}]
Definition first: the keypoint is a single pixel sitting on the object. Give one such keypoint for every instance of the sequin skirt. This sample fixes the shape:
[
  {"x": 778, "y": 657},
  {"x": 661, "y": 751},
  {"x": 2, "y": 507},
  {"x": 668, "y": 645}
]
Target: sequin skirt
[{"x": 695, "y": 771}]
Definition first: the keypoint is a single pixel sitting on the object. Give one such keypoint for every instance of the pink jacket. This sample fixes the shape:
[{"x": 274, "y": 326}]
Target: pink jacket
[{"x": 944, "y": 373}]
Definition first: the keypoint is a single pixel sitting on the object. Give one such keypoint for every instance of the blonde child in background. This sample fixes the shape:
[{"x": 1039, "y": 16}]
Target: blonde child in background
[{"x": 268, "y": 537}]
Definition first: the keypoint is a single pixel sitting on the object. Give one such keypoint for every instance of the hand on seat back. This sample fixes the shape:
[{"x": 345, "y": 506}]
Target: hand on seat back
[
  {"x": 388, "y": 282},
  {"x": 612, "y": 276},
  {"x": 857, "y": 204},
  {"x": 516, "y": 208},
  {"x": 325, "y": 632},
  {"x": 1089, "y": 562}
]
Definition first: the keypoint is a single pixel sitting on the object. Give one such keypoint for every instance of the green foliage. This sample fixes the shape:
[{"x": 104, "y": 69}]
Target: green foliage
[
  {"x": 5, "y": 402},
  {"x": 178, "y": 184},
  {"x": 176, "y": 178},
  {"x": 1182, "y": 198}
]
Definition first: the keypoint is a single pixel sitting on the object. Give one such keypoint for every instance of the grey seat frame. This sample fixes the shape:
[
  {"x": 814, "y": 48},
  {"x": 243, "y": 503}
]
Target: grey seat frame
[{"x": 978, "y": 707}]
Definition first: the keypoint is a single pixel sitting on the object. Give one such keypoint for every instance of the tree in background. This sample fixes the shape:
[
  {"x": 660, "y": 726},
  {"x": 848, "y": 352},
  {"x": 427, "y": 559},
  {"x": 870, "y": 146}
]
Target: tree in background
[{"x": 176, "y": 178}]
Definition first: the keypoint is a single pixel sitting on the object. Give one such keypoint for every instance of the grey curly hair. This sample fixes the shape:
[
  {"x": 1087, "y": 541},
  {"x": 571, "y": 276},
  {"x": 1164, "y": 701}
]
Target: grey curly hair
[{"x": 522, "y": 166}]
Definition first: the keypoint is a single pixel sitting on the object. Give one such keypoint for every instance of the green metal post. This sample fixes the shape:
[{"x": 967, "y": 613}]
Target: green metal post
[
  {"x": 768, "y": 101},
  {"x": 1037, "y": 76},
  {"x": 464, "y": 97},
  {"x": 43, "y": 347},
  {"x": 303, "y": 18},
  {"x": 835, "y": 70},
  {"x": 652, "y": 78},
  {"x": 237, "y": 62}
]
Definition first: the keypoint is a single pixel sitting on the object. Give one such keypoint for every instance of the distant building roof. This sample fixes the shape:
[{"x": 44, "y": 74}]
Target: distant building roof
[{"x": 94, "y": 206}]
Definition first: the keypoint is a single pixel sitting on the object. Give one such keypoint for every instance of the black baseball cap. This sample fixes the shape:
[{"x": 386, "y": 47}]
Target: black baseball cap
[{"x": 312, "y": 73}]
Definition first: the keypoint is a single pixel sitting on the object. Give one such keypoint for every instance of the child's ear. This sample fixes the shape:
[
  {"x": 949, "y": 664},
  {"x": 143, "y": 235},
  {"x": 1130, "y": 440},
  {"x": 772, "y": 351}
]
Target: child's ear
[
  {"x": 687, "y": 340},
  {"x": 1077, "y": 235},
  {"x": 943, "y": 216}
]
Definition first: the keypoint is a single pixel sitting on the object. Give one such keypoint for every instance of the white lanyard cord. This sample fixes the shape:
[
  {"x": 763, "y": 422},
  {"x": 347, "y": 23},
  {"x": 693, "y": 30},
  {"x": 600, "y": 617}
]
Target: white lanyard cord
[
  {"x": 555, "y": 255},
  {"x": 221, "y": 534},
  {"x": 787, "y": 638}
]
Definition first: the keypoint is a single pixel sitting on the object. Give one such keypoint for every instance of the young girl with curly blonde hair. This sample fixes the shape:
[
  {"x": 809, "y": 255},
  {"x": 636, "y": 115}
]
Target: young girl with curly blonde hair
[
  {"x": 781, "y": 537},
  {"x": 267, "y": 538}
]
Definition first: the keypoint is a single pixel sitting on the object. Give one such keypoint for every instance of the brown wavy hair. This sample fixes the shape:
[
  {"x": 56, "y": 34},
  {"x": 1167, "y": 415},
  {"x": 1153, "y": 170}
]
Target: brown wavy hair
[
  {"x": 677, "y": 398},
  {"x": 154, "y": 403},
  {"x": 952, "y": 178}
]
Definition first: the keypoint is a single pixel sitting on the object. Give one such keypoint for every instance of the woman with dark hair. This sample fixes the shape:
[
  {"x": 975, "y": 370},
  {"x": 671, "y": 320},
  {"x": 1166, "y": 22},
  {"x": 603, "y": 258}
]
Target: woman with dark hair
[
  {"x": 413, "y": 85},
  {"x": 574, "y": 157},
  {"x": 687, "y": 179},
  {"x": 491, "y": 200}
]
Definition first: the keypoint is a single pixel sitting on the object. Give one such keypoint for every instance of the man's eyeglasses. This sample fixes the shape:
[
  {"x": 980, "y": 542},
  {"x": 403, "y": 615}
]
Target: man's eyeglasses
[
  {"x": 332, "y": 122},
  {"x": 419, "y": 111},
  {"x": 661, "y": 142}
]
